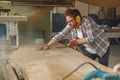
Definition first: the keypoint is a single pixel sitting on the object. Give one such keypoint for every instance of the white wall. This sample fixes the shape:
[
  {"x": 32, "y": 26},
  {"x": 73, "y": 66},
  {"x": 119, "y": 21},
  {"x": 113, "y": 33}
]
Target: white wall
[{"x": 82, "y": 7}]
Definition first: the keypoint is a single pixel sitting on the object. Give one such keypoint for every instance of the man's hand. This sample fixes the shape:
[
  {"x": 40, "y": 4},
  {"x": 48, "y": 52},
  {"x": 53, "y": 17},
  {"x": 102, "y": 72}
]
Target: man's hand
[
  {"x": 43, "y": 47},
  {"x": 72, "y": 43}
]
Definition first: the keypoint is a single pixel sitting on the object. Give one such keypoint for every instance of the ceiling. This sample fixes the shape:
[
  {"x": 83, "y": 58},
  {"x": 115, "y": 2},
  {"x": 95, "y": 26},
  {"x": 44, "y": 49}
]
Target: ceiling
[
  {"x": 103, "y": 3},
  {"x": 42, "y": 2}
]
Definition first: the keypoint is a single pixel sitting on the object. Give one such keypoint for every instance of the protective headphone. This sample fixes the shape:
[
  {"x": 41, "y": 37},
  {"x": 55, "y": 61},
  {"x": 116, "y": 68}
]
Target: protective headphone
[{"x": 78, "y": 18}]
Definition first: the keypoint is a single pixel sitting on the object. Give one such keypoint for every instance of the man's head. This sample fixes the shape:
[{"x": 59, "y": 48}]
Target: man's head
[{"x": 73, "y": 17}]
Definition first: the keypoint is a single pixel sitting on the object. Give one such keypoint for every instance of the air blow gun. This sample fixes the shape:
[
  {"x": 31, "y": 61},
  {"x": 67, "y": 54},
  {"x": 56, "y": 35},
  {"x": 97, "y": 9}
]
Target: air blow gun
[
  {"x": 102, "y": 75},
  {"x": 98, "y": 73}
]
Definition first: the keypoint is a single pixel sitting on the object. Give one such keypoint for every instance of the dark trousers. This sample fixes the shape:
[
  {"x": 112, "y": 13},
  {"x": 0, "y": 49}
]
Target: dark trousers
[{"x": 102, "y": 60}]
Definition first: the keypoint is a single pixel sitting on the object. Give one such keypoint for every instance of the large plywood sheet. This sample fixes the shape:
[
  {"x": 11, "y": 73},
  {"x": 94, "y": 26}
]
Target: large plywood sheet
[{"x": 52, "y": 64}]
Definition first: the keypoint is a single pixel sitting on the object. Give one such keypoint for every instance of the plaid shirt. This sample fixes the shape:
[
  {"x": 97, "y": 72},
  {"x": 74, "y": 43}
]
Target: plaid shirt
[{"x": 94, "y": 36}]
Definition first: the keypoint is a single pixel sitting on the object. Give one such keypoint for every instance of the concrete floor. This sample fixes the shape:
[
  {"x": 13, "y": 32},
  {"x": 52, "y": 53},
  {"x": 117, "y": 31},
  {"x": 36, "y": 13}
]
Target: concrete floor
[{"x": 114, "y": 55}]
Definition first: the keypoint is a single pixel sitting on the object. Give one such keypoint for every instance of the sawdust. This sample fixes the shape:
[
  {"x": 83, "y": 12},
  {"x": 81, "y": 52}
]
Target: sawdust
[{"x": 52, "y": 64}]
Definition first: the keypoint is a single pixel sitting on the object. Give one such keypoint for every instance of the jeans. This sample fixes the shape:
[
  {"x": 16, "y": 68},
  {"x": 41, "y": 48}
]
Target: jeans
[{"x": 102, "y": 60}]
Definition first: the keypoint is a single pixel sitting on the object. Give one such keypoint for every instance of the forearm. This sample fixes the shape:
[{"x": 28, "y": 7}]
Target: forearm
[
  {"x": 51, "y": 42},
  {"x": 81, "y": 41}
]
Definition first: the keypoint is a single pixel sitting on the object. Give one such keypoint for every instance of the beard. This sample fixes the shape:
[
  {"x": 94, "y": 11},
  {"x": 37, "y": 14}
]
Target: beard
[{"x": 72, "y": 25}]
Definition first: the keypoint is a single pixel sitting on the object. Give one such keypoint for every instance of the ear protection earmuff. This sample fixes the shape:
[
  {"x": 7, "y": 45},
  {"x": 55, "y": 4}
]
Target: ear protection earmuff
[{"x": 78, "y": 19}]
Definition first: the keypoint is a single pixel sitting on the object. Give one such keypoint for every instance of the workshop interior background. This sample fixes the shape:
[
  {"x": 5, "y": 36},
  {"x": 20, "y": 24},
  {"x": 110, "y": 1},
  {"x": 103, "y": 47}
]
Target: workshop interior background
[{"x": 44, "y": 22}]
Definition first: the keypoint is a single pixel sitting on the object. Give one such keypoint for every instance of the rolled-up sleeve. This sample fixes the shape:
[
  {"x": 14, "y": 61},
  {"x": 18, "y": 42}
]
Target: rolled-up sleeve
[{"x": 62, "y": 34}]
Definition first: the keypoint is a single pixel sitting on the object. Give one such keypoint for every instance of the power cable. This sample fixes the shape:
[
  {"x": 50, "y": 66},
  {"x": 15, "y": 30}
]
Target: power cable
[{"x": 78, "y": 68}]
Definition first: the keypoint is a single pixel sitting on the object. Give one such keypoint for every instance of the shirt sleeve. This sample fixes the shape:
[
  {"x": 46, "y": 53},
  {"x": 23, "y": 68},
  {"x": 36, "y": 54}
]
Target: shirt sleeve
[{"x": 62, "y": 34}]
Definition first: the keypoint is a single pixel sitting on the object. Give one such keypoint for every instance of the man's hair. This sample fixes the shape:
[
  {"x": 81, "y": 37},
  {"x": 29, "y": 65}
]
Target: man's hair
[{"x": 72, "y": 12}]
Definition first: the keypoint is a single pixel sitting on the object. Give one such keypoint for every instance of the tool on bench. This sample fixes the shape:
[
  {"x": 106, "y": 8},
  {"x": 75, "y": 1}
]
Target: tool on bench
[{"x": 98, "y": 73}]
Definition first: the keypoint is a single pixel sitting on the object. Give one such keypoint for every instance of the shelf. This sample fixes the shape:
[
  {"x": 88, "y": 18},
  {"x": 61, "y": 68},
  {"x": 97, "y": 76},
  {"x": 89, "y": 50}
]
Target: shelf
[
  {"x": 13, "y": 18},
  {"x": 113, "y": 30}
]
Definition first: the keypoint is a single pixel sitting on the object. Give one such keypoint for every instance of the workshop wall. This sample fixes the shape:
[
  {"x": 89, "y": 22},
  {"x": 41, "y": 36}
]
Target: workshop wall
[
  {"x": 41, "y": 28},
  {"x": 82, "y": 7},
  {"x": 32, "y": 30},
  {"x": 38, "y": 29},
  {"x": 42, "y": 24}
]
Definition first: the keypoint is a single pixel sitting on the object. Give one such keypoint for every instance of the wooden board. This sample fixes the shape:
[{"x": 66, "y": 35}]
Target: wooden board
[
  {"x": 114, "y": 30},
  {"x": 11, "y": 73},
  {"x": 13, "y": 18},
  {"x": 52, "y": 64}
]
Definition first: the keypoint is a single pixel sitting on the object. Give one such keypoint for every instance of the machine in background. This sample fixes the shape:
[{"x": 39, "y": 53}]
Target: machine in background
[{"x": 9, "y": 24}]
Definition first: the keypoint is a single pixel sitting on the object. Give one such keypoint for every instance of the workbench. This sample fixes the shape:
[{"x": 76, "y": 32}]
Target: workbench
[
  {"x": 52, "y": 64},
  {"x": 113, "y": 33}
]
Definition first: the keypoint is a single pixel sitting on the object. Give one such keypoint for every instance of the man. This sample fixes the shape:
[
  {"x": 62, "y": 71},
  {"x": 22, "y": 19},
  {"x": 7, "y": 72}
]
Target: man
[{"x": 84, "y": 32}]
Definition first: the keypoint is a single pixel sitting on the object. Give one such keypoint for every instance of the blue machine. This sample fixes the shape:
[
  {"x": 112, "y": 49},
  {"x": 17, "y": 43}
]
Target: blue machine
[
  {"x": 2, "y": 30},
  {"x": 98, "y": 73},
  {"x": 102, "y": 75}
]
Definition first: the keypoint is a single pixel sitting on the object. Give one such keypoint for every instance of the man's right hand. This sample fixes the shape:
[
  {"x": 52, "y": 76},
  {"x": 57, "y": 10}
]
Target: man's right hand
[
  {"x": 72, "y": 43},
  {"x": 43, "y": 47}
]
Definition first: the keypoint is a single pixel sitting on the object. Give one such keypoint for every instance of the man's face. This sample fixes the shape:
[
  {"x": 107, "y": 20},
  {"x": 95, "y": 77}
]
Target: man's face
[{"x": 71, "y": 21}]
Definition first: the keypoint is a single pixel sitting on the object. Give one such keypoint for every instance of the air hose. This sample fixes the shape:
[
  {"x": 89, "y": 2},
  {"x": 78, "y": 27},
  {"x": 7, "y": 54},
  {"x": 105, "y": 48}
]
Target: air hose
[
  {"x": 78, "y": 68},
  {"x": 98, "y": 73}
]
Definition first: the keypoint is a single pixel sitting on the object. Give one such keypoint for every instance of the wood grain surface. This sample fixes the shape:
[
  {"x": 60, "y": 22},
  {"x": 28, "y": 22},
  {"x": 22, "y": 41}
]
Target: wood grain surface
[{"x": 51, "y": 64}]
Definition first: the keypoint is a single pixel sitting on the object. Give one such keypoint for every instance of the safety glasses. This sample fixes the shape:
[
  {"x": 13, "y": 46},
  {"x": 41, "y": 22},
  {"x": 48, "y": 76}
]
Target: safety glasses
[{"x": 70, "y": 20}]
